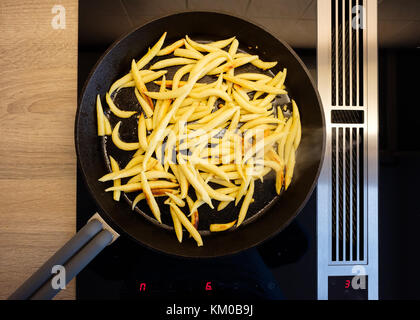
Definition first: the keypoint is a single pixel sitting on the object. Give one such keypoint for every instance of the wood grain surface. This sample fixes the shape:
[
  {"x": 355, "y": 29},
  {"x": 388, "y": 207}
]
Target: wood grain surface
[{"x": 38, "y": 89}]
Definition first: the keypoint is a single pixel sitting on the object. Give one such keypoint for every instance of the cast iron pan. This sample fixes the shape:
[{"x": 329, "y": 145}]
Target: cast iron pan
[
  {"x": 269, "y": 214},
  {"x": 260, "y": 223}
]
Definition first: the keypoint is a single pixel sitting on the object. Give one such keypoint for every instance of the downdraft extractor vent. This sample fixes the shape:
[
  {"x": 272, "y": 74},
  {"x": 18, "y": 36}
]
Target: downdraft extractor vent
[
  {"x": 347, "y": 243},
  {"x": 347, "y": 207}
]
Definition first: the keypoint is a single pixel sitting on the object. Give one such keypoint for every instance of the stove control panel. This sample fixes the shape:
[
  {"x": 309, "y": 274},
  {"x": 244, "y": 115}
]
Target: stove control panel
[
  {"x": 205, "y": 288},
  {"x": 348, "y": 287}
]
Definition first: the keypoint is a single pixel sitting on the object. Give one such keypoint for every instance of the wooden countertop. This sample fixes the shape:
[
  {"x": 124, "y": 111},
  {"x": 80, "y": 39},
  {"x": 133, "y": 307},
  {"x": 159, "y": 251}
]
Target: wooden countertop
[{"x": 38, "y": 89}]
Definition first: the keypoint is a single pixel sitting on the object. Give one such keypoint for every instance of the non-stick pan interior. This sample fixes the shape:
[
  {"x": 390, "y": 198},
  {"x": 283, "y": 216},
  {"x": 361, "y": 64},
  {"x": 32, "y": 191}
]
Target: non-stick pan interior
[
  {"x": 202, "y": 26},
  {"x": 125, "y": 98}
]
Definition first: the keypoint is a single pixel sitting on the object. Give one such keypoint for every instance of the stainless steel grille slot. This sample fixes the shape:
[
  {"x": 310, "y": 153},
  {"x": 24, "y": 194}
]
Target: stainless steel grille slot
[
  {"x": 354, "y": 191},
  {"x": 353, "y": 53},
  {"x": 347, "y": 116},
  {"x": 347, "y": 211},
  {"x": 333, "y": 55},
  {"x": 334, "y": 184},
  {"x": 361, "y": 220},
  {"x": 360, "y": 61},
  {"x": 340, "y": 45},
  {"x": 347, "y": 25},
  {"x": 340, "y": 187}
]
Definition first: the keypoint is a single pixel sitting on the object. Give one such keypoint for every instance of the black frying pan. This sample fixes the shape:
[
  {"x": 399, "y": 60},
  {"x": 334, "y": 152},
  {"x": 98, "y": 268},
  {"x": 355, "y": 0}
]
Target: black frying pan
[{"x": 268, "y": 215}]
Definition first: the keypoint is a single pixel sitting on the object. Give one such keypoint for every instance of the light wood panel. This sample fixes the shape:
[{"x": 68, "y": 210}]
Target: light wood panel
[{"x": 38, "y": 90}]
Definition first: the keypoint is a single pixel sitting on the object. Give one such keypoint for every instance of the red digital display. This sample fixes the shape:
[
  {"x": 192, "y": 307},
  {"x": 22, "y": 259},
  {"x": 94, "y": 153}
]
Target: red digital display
[
  {"x": 142, "y": 286},
  {"x": 208, "y": 286},
  {"x": 347, "y": 284}
]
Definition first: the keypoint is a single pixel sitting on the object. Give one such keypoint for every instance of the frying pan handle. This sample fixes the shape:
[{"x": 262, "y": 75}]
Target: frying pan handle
[{"x": 70, "y": 259}]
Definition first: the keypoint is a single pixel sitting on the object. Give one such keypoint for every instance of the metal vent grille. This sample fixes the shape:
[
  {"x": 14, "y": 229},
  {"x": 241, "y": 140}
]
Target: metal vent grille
[
  {"x": 347, "y": 205},
  {"x": 346, "y": 54},
  {"x": 347, "y": 243}
]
